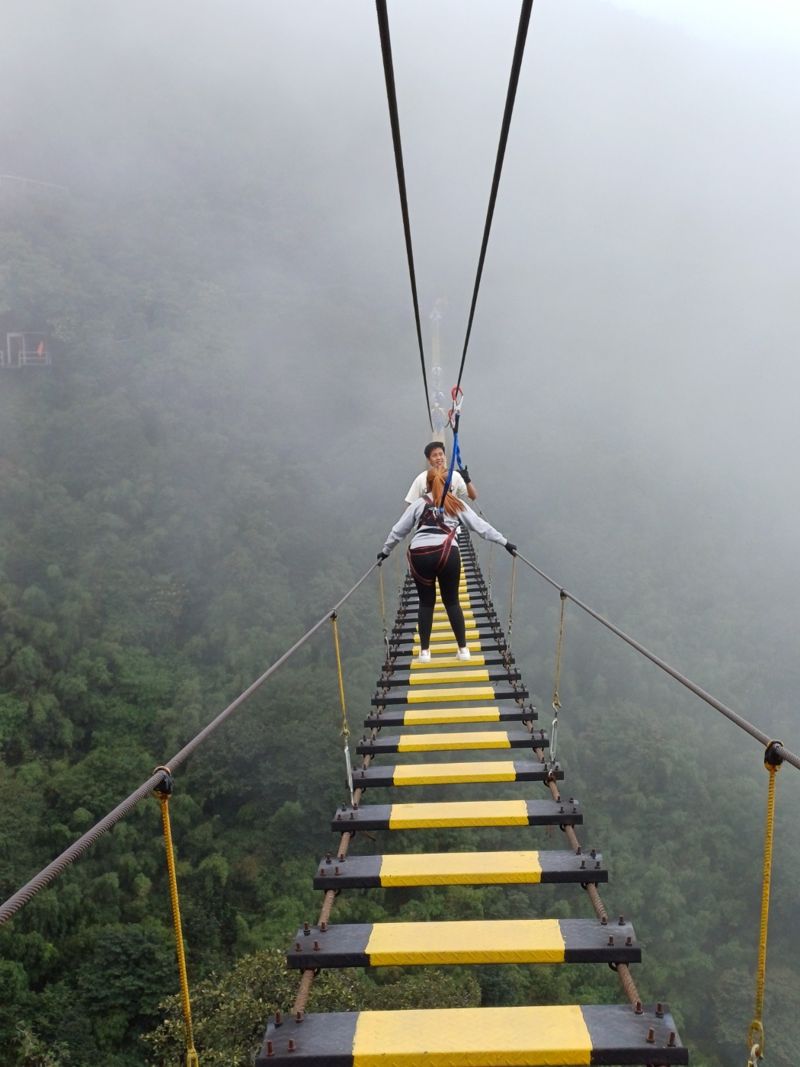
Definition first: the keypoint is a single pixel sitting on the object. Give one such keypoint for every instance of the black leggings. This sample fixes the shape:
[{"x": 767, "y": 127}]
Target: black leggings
[{"x": 449, "y": 577}]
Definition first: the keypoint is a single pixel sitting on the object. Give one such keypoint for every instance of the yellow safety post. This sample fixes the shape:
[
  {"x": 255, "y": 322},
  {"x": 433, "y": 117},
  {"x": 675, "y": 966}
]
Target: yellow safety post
[
  {"x": 163, "y": 793},
  {"x": 755, "y": 1034},
  {"x": 343, "y": 702}
]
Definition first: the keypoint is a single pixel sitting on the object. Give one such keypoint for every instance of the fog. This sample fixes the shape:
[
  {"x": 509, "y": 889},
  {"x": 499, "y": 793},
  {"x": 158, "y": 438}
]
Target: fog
[{"x": 632, "y": 363}]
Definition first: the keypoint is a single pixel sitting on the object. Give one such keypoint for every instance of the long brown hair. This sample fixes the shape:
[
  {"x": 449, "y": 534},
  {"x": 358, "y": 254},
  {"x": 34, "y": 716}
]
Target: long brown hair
[{"x": 437, "y": 476}]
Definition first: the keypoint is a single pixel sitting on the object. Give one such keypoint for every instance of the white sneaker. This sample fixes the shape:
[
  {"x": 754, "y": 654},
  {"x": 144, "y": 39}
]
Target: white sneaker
[
  {"x": 425, "y": 655},
  {"x": 463, "y": 653}
]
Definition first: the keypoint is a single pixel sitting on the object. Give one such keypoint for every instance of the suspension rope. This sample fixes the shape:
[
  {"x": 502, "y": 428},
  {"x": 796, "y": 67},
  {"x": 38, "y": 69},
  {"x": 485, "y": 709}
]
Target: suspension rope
[
  {"x": 516, "y": 65},
  {"x": 556, "y": 702},
  {"x": 511, "y": 600},
  {"x": 163, "y": 792},
  {"x": 755, "y": 1034},
  {"x": 44, "y": 877},
  {"x": 759, "y": 735},
  {"x": 345, "y": 731},
  {"x": 382, "y": 599},
  {"x": 394, "y": 119},
  {"x": 489, "y": 566}
]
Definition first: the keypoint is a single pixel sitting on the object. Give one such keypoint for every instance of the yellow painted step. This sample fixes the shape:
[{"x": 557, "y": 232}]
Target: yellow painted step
[
  {"x": 453, "y": 741},
  {"x": 445, "y": 696},
  {"x": 469, "y": 942},
  {"x": 472, "y": 634},
  {"x": 542, "y": 1036},
  {"x": 460, "y": 868},
  {"x": 432, "y": 717},
  {"x": 455, "y": 674},
  {"x": 473, "y": 644},
  {"x": 451, "y": 773},
  {"x": 437, "y": 662},
  {"x": 454, "y": 813}
]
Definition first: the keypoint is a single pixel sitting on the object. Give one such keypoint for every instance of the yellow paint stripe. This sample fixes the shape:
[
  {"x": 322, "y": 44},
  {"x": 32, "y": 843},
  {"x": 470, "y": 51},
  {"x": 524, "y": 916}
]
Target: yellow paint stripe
[
  {"x": 424, "y": 696},
  {"x": 474, "y": 645},
  {"x": 452, "y": 741},
  {"x": 471, "y": 941},
  {"x": 447, "y": 661},
  {"x": 460, "y": 868},
  {"x": 472, "y": 634},
  {"x": 540, "y": 1036},
  {"x": 447, "y": 773},
  {"x": 430, "y": 677},
  {"x": 440, "y": 615},
  {"x": 458, "y": 813},
  {"x": 432, "y": 717}
]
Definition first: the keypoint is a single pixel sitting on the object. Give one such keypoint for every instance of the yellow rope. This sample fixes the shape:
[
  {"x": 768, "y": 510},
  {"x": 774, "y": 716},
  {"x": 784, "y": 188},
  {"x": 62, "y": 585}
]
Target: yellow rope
[
  {"x": 345, "y": 724},
  {"x": 556, "y": 702},
  {"x": 343, "y": 702},
  {"x": 559, "y": 648},
  {"x": 511, "y": 596},
  {"x": 383, "y": 599},
  {"x": 755, "y": 1034},
  {"x": 489, "y": 566},
  {"x": 191, "y": 1053}
]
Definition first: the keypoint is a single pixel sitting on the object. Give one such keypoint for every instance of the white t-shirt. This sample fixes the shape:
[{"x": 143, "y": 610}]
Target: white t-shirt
[{"x": 419, "y": 487}]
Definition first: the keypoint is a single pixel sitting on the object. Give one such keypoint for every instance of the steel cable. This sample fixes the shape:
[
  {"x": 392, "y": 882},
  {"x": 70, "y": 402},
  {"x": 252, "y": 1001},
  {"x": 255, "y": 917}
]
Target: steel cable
[
  {"x": 516, "y": 66},
  {"x": 394, "y": 119}
]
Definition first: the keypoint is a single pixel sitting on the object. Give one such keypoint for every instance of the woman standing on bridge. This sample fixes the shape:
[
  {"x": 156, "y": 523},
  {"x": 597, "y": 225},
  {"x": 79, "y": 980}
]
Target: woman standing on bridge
[{"x": 434, "y": 555}]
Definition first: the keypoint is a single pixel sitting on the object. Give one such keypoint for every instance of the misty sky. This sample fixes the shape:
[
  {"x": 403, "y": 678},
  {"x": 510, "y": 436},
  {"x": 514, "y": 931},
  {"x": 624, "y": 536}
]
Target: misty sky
[{"x": 638, "y": 317}]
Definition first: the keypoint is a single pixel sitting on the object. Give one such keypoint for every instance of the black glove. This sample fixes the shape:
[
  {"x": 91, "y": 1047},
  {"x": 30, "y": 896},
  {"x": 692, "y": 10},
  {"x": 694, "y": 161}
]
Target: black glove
[
  {"x": 382, "y": 556},
  {"x": 510, "y": 548},
  {"x": 464, "y": 472}
]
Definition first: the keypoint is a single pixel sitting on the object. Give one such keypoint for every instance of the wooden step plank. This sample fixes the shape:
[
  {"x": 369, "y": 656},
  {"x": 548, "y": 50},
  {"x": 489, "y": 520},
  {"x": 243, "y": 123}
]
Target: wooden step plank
[
  {"x": 409, "y": 645},
  {"x": 464, "y": 672},
  {"x": 409, "y": 625},
  {"x": 460, "y": 868},
  {"x": 453, "y": 741},
  {"x": 469, "y": 942},
  {"x": 458, "y": 813},
  {"x": 453, "y": 716},
  {"x": 408, "y": 660},
  {"x": 561, "y": 1035},
  {"x": 448, "y": 694},
  {"x": 401, "y": 775}
]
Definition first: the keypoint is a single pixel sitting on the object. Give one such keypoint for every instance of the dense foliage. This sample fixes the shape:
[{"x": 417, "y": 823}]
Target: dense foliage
[{"x": 162, "y": 540}]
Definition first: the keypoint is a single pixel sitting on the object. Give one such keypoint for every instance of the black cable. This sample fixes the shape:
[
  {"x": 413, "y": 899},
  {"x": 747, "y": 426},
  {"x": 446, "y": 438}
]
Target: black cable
[
  {"x": 391, "y": 96},
  {"x": 516, "y": 65}
]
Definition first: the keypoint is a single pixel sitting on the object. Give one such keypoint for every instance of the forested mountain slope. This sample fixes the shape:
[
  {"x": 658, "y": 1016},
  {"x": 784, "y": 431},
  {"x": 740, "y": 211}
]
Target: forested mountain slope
[{"x": 176, "y": 505}]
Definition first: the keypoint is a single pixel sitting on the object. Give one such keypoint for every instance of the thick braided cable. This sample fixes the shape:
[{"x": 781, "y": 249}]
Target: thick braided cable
[
  {"x": 516, "y": 66},
  {"x": 394, "y": 121}
]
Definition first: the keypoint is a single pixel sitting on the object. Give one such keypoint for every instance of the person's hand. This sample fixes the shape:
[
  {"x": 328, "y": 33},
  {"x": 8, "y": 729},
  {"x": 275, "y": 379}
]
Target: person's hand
[
  {"x": 510, "y": 548},
  {"x": 464, "y": 472},
  {"x": 382, "y": 556}
]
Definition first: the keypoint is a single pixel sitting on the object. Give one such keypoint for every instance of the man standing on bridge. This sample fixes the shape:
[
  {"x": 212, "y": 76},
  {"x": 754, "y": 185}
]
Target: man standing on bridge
[{"x": 461, "y": 485}]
